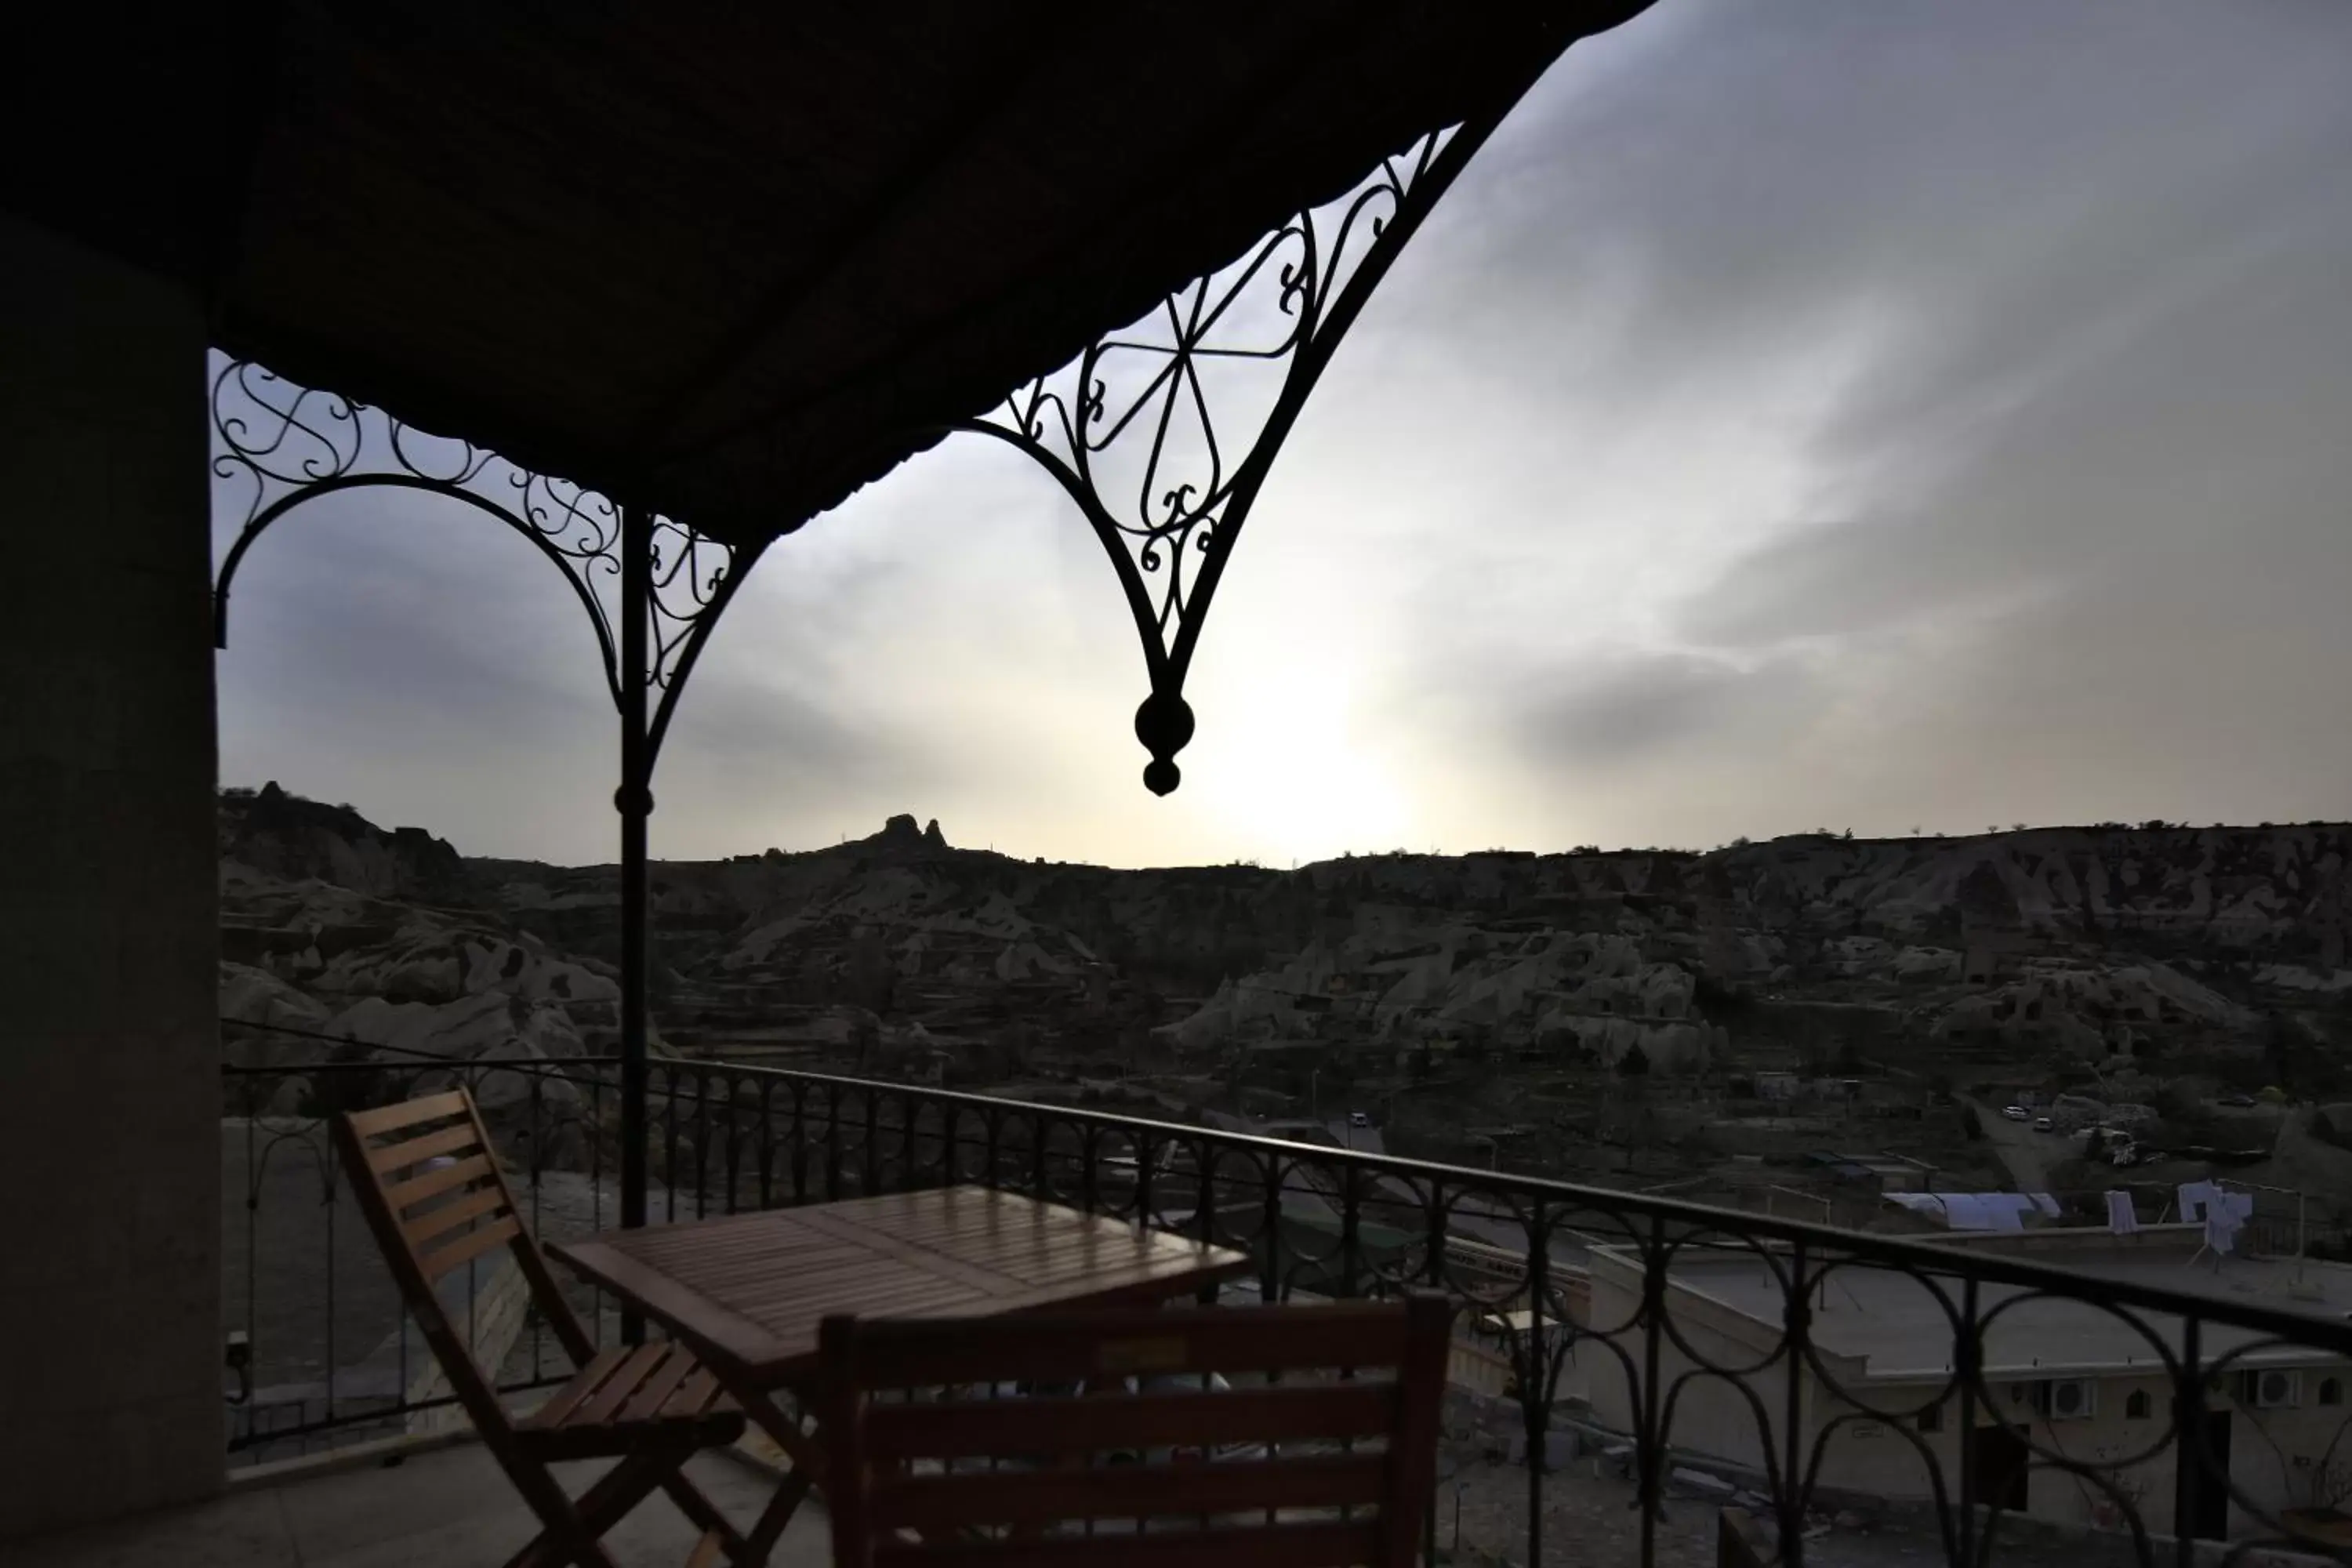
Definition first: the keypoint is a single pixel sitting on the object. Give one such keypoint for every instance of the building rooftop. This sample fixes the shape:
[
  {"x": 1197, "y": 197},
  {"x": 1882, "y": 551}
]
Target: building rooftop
[{"x": 1895, "y": 1323}]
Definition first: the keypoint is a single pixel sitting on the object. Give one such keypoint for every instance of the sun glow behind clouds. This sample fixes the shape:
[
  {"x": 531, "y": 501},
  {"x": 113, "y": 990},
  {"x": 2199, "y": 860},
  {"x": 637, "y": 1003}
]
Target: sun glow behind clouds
[{"x": 1286, "y": 771}]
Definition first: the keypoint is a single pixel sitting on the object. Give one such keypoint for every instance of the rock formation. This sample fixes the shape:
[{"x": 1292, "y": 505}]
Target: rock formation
[{"x": 2095, "y": 946}]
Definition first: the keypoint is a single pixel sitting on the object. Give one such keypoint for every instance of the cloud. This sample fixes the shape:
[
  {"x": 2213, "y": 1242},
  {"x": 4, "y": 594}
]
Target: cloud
[
  {"x": 2177, "y": 434},
  {"x": 1631, "y": 711},
  {"x": 1992, "y": 344}
]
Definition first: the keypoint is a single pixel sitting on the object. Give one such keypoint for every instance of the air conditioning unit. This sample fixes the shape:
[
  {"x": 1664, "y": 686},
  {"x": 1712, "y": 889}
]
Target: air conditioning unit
[
  {"x": 2068, "y": 1399},
  {"x": 2272, "y": 1389}
]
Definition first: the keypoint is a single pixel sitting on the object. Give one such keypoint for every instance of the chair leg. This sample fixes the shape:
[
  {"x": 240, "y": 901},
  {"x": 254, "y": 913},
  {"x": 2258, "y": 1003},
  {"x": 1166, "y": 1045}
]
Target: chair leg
[
  {"x": 625, "y": 1485},
  {"x": 561, "y": 1542},
  {"x": 573, "y": 1525},
  {"x": 706, "y": 1516},
  {"x": 789, "y": 1494}
]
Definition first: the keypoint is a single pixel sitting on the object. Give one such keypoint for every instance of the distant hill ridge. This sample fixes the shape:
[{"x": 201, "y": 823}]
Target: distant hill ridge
[{"x": 2090, "y": 942}]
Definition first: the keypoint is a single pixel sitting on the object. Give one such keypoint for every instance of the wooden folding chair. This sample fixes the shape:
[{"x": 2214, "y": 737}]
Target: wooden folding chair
[
  {"x": 431, "y": 1186},
  {"x": 1140, "y": 1458}
]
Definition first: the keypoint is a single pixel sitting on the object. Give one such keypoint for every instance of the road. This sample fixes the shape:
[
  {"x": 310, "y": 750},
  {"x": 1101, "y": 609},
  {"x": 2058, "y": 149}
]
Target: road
[
  {"x": 2025, "y": 1152},
  {"x": 1363, "y": 1139}
]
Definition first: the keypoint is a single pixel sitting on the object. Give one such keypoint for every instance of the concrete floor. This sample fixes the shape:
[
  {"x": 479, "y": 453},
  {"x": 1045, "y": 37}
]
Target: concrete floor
[{"x": 451, "y": 1507}]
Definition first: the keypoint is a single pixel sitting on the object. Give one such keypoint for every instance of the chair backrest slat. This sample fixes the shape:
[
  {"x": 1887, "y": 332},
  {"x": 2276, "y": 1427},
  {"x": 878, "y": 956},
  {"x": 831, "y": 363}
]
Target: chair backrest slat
[
  {"x": 438, "y": 1179},
  {"x": 408, "y": 1112},
  {"x": 1007, "y": 1427},
  {"x": 1172, "y": 1343},
  {"x": 1286, "y": 1545},
  {"x": 935, "y": 1428},
  {"x": 452, "y": 1206},
  {"x": 476, "y": 1202},
  {"x": 503, "y": 1231},
  {"x": 953, "y": 1501},
  {"x": 461, "y": 1138}
]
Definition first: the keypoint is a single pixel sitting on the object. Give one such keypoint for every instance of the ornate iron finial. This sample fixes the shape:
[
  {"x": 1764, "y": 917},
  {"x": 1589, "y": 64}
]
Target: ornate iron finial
[{"x": 1164, "y": 724}]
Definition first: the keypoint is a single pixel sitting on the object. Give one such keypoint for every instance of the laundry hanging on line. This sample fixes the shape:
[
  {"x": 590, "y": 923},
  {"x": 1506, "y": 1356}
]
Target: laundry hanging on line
[{"x": 2122, "y": 1218}]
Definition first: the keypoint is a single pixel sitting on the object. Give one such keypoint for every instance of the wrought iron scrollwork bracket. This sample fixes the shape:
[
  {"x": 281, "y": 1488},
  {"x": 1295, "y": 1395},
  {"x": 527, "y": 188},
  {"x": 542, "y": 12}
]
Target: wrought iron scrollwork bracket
[
  {"x": 1130, "y": 431},
  {"x": 288, "y": 445}
]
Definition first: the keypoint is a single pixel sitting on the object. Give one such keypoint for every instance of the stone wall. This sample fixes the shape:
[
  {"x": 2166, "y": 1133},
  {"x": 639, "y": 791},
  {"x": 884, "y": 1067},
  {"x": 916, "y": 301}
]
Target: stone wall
[{"x": 108, "y": 1060}]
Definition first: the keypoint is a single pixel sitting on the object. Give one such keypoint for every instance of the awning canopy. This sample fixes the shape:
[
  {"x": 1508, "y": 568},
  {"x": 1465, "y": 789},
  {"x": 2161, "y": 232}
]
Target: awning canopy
[{"x": 730, "y": 263}]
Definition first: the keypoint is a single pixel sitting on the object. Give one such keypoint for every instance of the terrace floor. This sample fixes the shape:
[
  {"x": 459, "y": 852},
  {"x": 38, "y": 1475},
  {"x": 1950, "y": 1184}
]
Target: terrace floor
[{"x": 451, "y": 1507}]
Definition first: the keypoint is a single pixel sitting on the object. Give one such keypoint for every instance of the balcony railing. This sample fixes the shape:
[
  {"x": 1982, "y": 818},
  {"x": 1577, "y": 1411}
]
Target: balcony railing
[{"x": 2132, "y": 1396}]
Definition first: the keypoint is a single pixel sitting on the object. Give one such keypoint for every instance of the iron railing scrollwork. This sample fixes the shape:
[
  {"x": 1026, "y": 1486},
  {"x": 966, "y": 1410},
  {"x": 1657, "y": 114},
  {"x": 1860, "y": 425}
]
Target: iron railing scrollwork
[
  {"x": 1669, "y": 1335},
  {"x": 278, "y": 446},
  {"x": 1163, "y": 432}
]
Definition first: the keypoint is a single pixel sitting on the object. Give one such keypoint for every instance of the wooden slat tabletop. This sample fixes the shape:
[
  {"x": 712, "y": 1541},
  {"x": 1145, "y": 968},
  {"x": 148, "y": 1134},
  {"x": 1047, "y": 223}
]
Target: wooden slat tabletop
[{"x": 750, "y": 1290}]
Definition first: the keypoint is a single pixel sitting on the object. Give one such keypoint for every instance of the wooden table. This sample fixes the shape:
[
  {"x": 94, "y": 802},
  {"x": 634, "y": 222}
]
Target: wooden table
[{"x": 747, "y": 1291}]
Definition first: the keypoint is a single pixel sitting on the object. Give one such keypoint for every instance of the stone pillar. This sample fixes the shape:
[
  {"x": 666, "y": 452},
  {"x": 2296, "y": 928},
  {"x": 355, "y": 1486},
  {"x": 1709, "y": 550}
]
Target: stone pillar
[{"x": 110, "y": 1098}]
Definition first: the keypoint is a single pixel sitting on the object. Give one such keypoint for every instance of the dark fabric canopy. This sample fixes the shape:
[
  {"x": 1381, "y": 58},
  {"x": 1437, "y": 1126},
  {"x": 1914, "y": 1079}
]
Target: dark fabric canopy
[{"x": 729, "y": 262}]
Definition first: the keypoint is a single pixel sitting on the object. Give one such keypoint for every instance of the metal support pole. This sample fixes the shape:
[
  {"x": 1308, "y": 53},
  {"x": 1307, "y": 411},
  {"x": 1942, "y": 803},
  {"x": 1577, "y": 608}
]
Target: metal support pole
[
  {"x": 634, "y": 802},
  {"x": 290, "y": 444}
]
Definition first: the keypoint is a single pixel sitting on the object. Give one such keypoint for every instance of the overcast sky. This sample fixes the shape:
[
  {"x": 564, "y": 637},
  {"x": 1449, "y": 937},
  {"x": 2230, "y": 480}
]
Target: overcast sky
[{"x": 1853, "y": 414}]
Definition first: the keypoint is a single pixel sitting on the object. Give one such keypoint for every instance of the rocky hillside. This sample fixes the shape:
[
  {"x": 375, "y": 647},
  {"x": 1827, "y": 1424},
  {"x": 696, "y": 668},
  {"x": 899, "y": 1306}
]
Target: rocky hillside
[
  {"x": 341, "y": 941},
  {"x": 285, "y": 838},
  {"x": 2129, "y": 953}
]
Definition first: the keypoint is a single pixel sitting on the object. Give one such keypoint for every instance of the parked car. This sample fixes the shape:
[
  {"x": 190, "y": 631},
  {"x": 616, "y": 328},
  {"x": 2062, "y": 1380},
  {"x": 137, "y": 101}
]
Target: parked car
[
  {"x": 2017, "y": 1113},
  {"x": 2044, "y": 1124},
  {"x": 2238, "y": 1101}
]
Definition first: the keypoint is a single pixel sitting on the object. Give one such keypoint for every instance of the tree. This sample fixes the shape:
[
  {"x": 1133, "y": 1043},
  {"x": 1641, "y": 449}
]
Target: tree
[{"x": 1635, "y": 1063}]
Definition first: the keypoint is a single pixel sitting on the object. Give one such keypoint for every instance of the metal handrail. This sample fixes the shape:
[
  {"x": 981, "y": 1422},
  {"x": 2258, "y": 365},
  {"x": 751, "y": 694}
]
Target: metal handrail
[
  {"x": 728, "y": 1136},
  {"x": 1895, "y": 1250}
]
